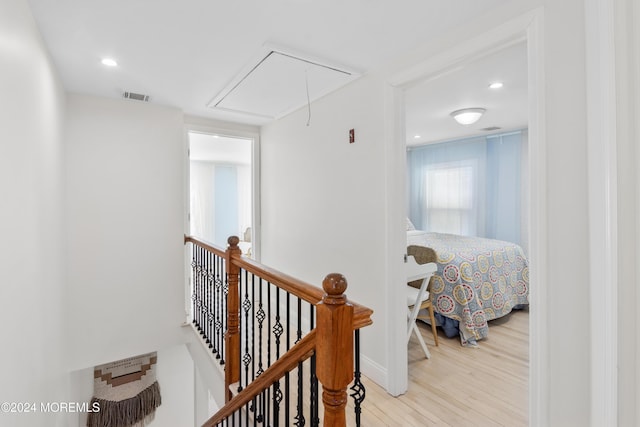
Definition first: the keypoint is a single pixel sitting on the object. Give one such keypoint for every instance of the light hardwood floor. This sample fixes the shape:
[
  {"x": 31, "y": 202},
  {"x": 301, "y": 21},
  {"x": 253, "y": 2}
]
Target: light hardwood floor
[{"x": 484, "y": 386}]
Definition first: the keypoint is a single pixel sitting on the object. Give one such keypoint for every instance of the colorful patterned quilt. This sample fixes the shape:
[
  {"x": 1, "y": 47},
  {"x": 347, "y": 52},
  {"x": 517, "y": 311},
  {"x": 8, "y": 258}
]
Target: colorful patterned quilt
[{"x": 477, "y": 280}]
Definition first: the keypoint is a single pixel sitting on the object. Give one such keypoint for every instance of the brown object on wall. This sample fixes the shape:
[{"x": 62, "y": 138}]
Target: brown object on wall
[{"x": 126, "y": 392}]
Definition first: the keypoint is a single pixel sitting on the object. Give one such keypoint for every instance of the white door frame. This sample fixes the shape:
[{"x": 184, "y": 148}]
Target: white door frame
[
  {"x": 255, "y": 171},
  {"x": 255, "y": 159},
  {"x": 527, "y": 27},
  {"x": 603, "y": 199}
]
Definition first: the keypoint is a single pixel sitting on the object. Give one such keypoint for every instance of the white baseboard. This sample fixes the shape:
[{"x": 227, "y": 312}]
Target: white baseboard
[{"x": 374, "y": 371}]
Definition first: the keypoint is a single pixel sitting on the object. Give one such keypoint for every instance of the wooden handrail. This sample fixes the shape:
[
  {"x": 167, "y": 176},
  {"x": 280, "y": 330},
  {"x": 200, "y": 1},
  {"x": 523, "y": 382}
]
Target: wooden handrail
[
  {"x": 206, "y": 245},
  {"x": 306, "y": 291},
  {"x": 298, "y": 353}
]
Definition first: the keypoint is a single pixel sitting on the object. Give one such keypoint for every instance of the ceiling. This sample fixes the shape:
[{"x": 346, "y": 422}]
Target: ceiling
[
  {"x": 185, "y": 53},
  {"x": 429, "y": 104},
  {"x": 220, "y": 149}
]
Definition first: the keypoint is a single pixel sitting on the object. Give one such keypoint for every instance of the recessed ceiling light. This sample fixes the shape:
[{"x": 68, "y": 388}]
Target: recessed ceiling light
[
  {"x": 109, "y": 62},
  {"x": 496, "y": 85},
  {"x": 416, "y": 136}
]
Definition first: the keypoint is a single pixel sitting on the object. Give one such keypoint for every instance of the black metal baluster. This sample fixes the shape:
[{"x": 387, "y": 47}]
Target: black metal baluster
[
  {"x": 254, "y": 402},
  {"x": 260, "y": 316},
  {"x": 214, "y": 302},
  {"x": 210, "y": 261},
  {"x": 287, "y": 396},
  {"x": 214, "y": 305},
  {"x": 218, "y": 311},
  {"x": 358, "y": 389},
  {"x": 199, "y": 289},
  {"x": 267, "y": 403},
  {"x": 253, "y": 408},
  {"x": 269, "y": 324},
  {"x": 313, "y": 380},
  {"x": 269, "y": 316},
  {"x": 277, "y": 327},
  {"x": 203, "y": 292},
  {"x": 203, "y": 283},
  {"x": 300, "y": 421},
  {"x": 201, "y": 321},
  {"x": 264, "y": 418},
  {"x": 225, "y": 310},
  {"x": 193, "y": 283},
  {"x": 277, "y": 331},
  {"x": 217, "y": 326},
  {"x": 246, "y": 306},
  {"x": 204, "y": 308}
]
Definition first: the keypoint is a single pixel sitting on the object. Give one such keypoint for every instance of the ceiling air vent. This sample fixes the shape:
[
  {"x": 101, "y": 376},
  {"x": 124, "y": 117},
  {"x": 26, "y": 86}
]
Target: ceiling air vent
[
  {"x": 136, "y": 96},
  {"x": 490, "y": 128}
]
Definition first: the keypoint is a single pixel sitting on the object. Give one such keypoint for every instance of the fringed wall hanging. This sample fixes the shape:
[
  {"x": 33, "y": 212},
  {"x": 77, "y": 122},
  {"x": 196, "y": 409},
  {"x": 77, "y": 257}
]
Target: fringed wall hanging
[{"x": 127, "y": 392}]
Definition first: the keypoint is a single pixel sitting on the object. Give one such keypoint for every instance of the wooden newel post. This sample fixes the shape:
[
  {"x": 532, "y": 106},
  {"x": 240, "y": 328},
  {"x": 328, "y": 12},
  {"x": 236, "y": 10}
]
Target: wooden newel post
[
  {"x": 232, "y": 336},
  {"x": 334, "y": 349}
]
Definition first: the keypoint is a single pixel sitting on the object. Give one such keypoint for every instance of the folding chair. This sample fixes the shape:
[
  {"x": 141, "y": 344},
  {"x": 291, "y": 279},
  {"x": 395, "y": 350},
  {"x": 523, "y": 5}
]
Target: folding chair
[{"x": 418, "y": 299}]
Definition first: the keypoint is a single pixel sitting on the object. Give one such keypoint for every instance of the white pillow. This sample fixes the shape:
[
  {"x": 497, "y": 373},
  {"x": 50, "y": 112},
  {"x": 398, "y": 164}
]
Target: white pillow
[{"x": 410, "y": 225}]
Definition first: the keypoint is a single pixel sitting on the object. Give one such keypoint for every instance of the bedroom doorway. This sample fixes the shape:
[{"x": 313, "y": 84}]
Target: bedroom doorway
[
  {"x": 525, "y": 32},
  {"x": 471, "y": 179},
  {"x": 468, "y": 192},
  {"x": 222, "y": 196}
]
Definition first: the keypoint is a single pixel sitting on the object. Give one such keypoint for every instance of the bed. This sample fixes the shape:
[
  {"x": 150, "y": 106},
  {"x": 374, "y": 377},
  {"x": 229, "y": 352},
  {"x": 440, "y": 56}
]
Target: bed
[{"x": 477, "y": 280}]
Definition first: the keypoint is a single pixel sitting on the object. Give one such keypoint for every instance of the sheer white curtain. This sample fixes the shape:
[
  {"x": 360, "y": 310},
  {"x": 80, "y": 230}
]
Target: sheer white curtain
[
  {"x": 451, "y": 197},
  {"x": 220, "y": 200},
  {"x": 202, "y": 211},
  {"x": 469, "y": 187}
]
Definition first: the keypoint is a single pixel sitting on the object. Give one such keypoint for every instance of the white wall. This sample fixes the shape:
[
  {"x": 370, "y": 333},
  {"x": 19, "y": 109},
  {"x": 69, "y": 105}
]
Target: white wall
[
  {"x": 324, "y": 205},
  {"x": 209, "y": 393},
  {"x": 31, "y": 221},
  {"x": 125, "y": 195},
  {"x": 323, "y": 201},
  {"x": 567, "y": 221}
]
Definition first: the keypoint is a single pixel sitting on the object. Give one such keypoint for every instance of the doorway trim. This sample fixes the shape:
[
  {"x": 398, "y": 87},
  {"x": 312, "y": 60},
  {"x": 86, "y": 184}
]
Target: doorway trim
[
  {"x": 527, "y": 27},
  {"x": 255, "y": 173},
  {"x": 198, "y": 125}
]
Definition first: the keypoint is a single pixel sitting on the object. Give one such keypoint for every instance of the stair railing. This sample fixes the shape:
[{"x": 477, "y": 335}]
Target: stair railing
[{"x": 260, "y": 324}]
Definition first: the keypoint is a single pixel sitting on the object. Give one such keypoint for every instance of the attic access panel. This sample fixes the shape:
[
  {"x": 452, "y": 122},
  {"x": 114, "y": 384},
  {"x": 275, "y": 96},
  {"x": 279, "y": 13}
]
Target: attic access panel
[{"x": 277, "y": 82}]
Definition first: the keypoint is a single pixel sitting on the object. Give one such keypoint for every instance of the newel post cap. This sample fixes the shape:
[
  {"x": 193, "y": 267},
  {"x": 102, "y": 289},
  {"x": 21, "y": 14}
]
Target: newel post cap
[{"x": 334, "y": 285}]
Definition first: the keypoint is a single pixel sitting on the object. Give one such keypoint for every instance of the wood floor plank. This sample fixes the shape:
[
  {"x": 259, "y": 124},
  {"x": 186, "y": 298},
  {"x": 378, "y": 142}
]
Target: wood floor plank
[{"x": 458, "y": 386}]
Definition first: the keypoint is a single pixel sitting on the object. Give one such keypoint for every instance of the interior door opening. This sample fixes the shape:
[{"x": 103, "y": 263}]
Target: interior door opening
[{"x": 221, "y": 202}]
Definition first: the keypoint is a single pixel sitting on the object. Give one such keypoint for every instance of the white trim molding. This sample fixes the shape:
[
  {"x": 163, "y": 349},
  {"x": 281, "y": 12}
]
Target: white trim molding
[
  {"x": 527, "y": 27},
  {"x": 602, "y": 182}
]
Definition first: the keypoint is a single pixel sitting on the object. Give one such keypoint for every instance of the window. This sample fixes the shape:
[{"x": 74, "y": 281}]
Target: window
[
  {"x": 474, "y": 186},
  {"x": 450, "y": 200},
  {"x": 221, "y": 192}
]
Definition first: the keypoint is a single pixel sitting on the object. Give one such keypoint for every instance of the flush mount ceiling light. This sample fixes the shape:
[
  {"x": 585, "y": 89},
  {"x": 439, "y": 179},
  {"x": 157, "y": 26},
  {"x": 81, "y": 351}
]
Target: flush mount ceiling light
[
  {"x": 109, "y": 62},
  {"x": 468, "y": 116},
  {"x": 496, "y": 85}
]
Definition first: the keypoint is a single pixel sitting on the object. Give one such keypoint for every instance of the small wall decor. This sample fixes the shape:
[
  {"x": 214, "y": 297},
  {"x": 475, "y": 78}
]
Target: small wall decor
[{"x": 127, "y": 392}]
